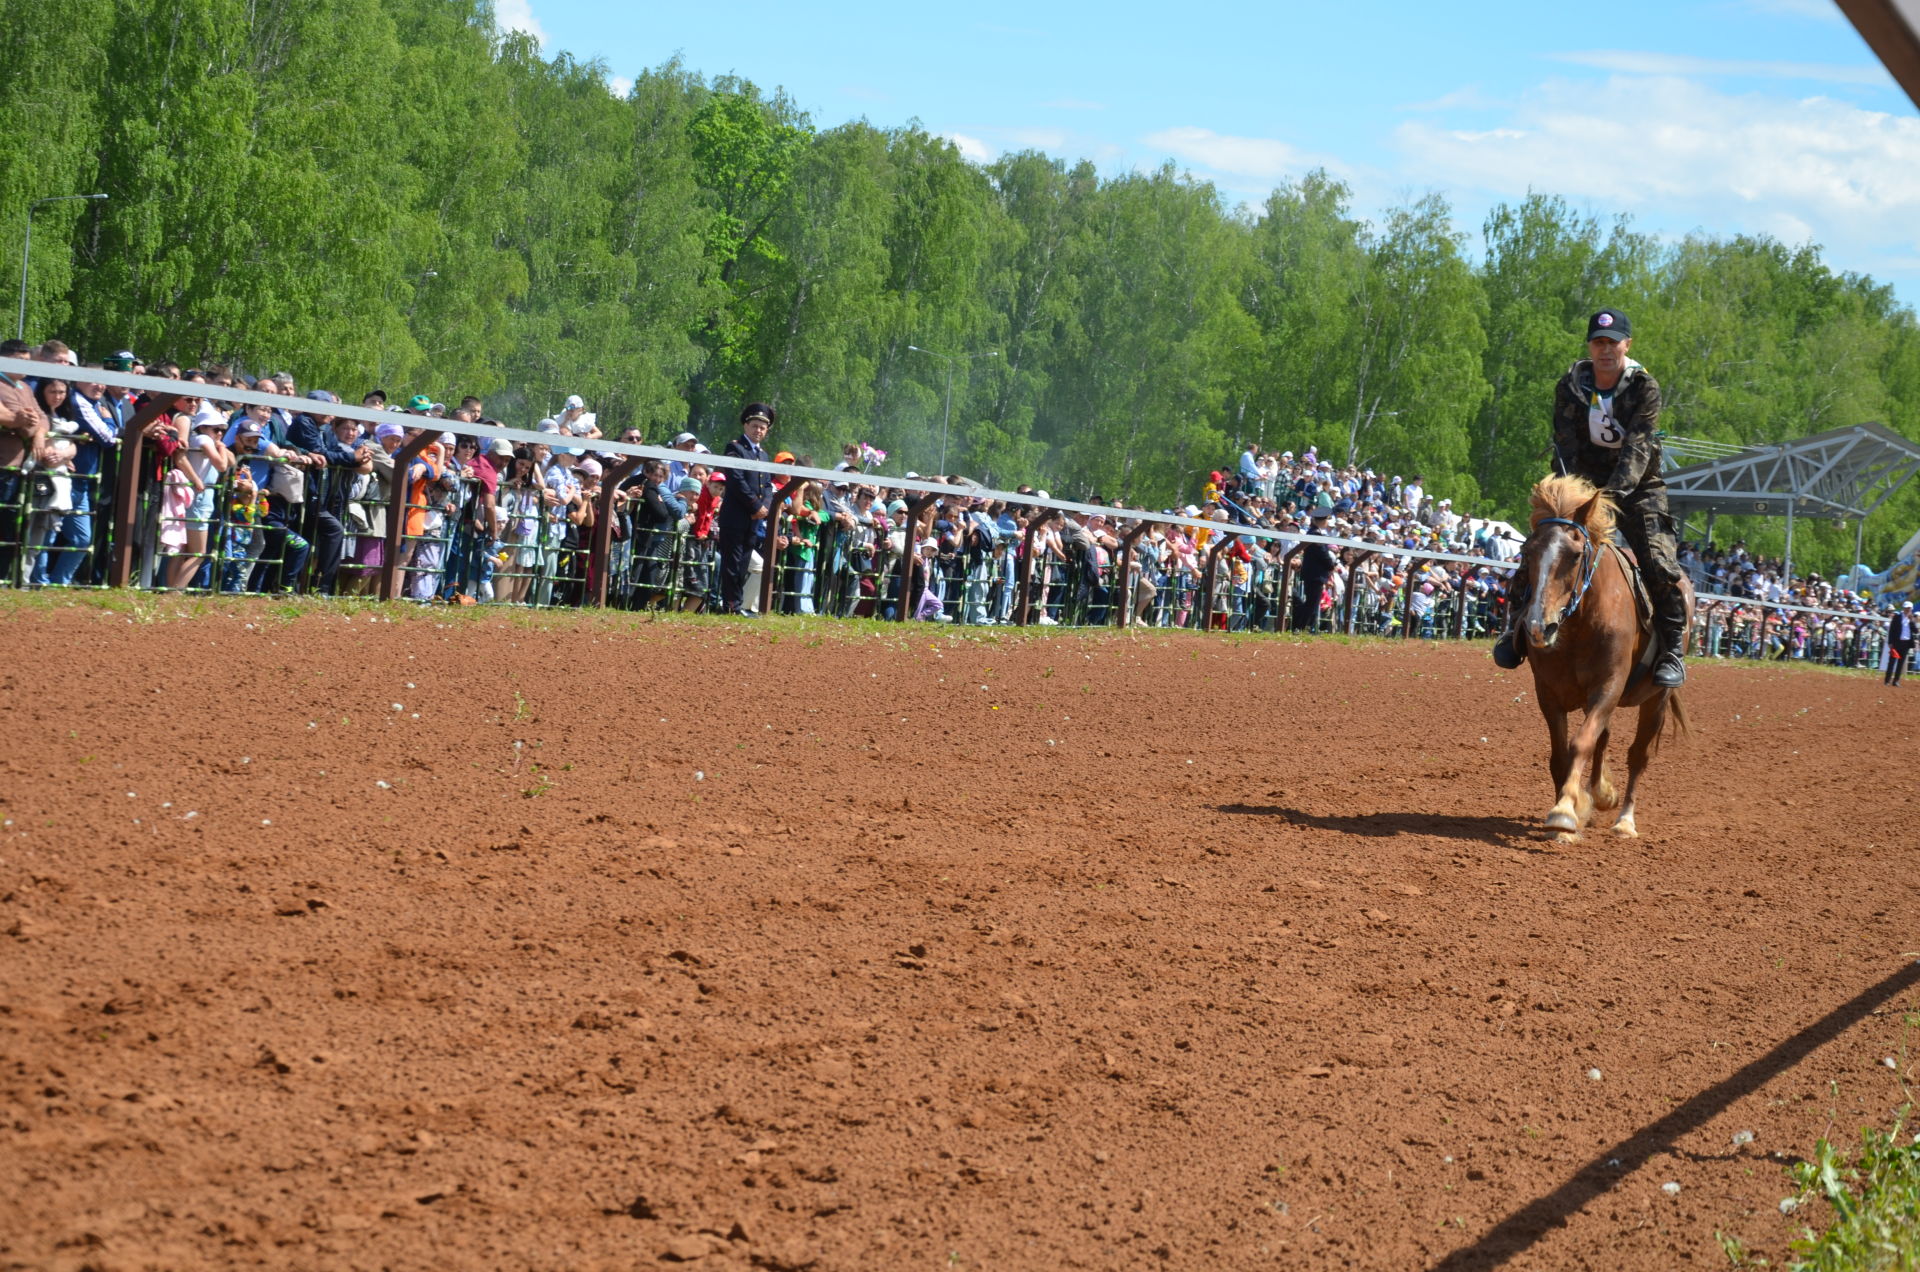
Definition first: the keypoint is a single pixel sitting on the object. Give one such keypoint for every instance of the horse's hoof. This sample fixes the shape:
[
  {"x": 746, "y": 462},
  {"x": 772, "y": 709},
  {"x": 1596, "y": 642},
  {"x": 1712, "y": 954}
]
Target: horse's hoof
[
  {"x": 1566, "y": 837},
  {"x": 1559, "y": 819},
  {"x": 1624, "y": 829}
]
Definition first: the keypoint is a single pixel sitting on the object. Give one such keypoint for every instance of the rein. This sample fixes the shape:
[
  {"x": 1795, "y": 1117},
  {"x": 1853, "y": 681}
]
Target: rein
[{"x": 1589, "y": 562}]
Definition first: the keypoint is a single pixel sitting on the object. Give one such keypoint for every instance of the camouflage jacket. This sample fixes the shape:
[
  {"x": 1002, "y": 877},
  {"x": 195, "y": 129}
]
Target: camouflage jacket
[{"x": 1617, "y": 449}]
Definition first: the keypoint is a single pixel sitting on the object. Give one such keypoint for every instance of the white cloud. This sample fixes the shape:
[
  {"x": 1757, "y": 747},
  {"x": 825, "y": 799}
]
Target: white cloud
[
  {"x": 1468, "y": 98},
  {"x": 1037, "y": 138},
  {"x": 619, "y": 85},
  {"x": 1809, "y": 168},
  {"x": 517, "y": 15},
  {"x": 1262, "y": 158},
  {"x": 1635, "y": 62},
  {"x": 1489, "y": 134},
  {"x": 971, "y": 147}
]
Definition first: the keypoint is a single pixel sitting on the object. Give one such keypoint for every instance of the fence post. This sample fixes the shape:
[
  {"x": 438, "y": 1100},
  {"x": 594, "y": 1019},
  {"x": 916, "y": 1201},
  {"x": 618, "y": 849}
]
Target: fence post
[
  {"x": 1460, "y": 605},
  {"x": 417, "y": 441},
  {"x": 1206, "y": 583},
  {"x": 1353, "y": 589},
  {"x": 769, "y": 565},
  {"x": 910, "y": 559},
  {"x": 601, "y": 545},
  {"x": 1025, "y": 573},
  {"x": 1283, "y": 622},
  {"x": 1125, "y": 616},
  {"x": 126, "y": 488},
  {"x": 1406, "y": 604}
]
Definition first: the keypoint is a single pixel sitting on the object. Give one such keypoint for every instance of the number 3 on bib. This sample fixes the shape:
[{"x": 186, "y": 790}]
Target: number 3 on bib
[{"x": 1601, "y": 426}]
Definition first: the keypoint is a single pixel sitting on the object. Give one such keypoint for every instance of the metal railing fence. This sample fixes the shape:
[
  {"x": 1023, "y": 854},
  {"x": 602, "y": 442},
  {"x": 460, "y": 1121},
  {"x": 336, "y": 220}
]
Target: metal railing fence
[{"x": 449, "y": 540}]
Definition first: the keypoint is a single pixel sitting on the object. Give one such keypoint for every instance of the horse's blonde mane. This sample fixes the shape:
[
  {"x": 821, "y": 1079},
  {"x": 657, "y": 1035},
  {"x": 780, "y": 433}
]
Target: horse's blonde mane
[{"x": 1570, "y": 497}]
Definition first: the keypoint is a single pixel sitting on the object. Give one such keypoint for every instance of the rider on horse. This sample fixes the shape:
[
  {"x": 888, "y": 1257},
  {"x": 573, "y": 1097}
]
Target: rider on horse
[{"x": 1606, "y": 411}]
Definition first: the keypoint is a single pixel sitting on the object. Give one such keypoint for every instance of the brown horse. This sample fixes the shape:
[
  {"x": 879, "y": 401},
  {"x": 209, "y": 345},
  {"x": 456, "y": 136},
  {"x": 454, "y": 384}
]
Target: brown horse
[{"x": 1584, "y": 640}]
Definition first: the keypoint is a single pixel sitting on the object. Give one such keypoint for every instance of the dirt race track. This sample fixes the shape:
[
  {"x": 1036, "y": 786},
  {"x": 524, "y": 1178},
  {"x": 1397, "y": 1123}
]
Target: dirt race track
[{"x": 363, "y": 941}]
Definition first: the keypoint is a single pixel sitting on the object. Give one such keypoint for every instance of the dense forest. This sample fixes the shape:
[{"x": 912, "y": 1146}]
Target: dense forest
[{"x": 391, "y": 192}]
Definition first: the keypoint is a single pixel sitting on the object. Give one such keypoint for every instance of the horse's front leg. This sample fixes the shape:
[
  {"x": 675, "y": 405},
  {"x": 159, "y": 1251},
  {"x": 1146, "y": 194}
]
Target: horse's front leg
[
  {"x": 1575, "y": 805},
  {"x": 1560, "y": 749}
]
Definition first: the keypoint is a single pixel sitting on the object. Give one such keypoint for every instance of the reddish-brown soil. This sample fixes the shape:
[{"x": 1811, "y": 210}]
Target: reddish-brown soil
[{"x": 399, "y": 941}]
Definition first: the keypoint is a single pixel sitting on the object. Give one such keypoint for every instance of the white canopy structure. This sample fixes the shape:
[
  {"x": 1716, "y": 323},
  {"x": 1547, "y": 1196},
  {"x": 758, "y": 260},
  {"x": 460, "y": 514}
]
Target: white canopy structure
[{"x": 1841, "y": 475}]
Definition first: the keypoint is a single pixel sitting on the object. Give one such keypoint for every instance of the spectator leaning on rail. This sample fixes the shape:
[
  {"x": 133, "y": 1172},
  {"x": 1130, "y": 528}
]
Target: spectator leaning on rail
[
  {"x": 311, "y": 431},
  {"x": 1606, "y": 413}
]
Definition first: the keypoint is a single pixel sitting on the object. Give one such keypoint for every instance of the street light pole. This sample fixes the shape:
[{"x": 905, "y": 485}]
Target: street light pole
[
  {"x": 946, "y": 414},
  {"x": 26, "y": 253}
]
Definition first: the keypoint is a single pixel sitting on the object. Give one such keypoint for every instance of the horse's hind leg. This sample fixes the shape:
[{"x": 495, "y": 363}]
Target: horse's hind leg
[
  {"x": 1653, "y": 717},
  {"x": 1604, "y": 796}
]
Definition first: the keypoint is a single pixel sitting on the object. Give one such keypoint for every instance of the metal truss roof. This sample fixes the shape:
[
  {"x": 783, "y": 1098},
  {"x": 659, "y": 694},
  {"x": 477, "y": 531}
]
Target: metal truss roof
[
  {"x": 1891, "y": 29},
  {"x": 1841, "y": 473}
]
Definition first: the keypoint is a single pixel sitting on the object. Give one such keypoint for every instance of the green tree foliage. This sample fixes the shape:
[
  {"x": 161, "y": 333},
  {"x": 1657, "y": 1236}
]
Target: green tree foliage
[
  {"x": 49, "y": 97},
  {"x": 393, "y": 192}
]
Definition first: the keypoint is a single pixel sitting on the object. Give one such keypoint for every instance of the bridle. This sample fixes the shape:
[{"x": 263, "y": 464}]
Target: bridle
[{"x": 1589, "y": 562}]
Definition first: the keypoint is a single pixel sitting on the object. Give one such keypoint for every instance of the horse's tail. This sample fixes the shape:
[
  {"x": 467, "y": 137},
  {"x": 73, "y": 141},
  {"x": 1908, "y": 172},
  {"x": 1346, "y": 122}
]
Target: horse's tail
[{"x": 1677, "y": 723}]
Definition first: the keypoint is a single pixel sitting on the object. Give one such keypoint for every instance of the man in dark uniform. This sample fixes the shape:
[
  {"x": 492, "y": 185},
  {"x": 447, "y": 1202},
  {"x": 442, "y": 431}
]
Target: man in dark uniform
[
  {"x": 1900, "y": 636},
  {"x": 1316, "y": 567},
  {"x": 1606, "y": 416},
  {"x": 743, "y": 509}
]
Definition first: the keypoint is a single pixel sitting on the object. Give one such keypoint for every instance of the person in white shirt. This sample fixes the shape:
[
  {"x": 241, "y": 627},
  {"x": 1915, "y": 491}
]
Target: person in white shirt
[{"x": 576, "y": 420}]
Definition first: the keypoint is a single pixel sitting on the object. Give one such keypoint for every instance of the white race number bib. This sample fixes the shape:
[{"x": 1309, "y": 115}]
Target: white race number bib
[{"x": 1602, "y": 427}]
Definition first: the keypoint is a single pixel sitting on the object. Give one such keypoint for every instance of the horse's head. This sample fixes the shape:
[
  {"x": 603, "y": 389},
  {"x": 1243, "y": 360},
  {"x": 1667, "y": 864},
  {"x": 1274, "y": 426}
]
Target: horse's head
[{"x": 1570, "y": 520}]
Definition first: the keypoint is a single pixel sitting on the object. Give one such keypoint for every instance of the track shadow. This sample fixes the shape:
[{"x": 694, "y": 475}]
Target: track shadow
[
  {"x": 1388, "y": 825},
  {"x": 1519, "y": 1231}
]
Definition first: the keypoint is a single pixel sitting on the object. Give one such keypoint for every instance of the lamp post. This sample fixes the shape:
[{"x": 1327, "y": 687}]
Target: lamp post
[
  {"x": 946, "y": 415},
  {"x": 26, "y": 252}
]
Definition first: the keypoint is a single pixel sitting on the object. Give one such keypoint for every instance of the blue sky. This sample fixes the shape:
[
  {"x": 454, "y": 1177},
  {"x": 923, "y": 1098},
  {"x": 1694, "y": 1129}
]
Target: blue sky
[{"x": 1726, "y": 116}]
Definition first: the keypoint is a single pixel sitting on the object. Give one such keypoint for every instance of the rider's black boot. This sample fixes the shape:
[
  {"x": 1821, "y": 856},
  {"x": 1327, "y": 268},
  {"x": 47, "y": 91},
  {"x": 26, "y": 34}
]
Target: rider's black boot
[
  {"x": 1507, "y": 651},
  {"x": 1510, "y": 651},
  {"x": 1670, "y": 628}
]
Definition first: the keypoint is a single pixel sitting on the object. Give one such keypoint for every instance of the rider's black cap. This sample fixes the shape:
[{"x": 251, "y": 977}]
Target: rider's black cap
[{"x": 1609, "y": 324}]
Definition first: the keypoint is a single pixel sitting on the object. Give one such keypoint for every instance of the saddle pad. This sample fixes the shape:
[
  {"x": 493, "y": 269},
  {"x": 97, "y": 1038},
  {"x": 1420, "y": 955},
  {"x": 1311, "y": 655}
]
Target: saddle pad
[
  {"x": 1619, "y": 541},
  {"x": 1642, "y": 599},
  {"x": 1643, "y": 606}
]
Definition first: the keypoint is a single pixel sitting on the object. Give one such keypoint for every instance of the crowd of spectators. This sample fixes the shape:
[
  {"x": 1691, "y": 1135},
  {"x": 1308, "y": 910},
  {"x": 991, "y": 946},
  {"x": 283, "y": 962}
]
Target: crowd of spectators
[
  {"x": 1761, "y": 626},
  {"x": 295, "y": 498}
]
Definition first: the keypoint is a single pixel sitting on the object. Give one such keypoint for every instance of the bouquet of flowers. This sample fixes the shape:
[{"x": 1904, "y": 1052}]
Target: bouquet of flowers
[{"x": 871, "y": 456}]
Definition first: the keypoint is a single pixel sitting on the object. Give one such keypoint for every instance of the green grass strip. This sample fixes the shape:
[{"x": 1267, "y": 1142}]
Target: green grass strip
[{"x": 1874, "y": 1199}]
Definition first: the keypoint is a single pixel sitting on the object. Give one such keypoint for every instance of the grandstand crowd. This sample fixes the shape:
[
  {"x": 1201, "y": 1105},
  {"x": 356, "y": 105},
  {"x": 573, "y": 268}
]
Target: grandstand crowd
[{"x": 294, "y": 499}]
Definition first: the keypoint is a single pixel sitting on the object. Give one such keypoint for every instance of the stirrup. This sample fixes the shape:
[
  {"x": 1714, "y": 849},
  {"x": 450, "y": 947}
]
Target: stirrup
[{"x": 1506, "y": 652}]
